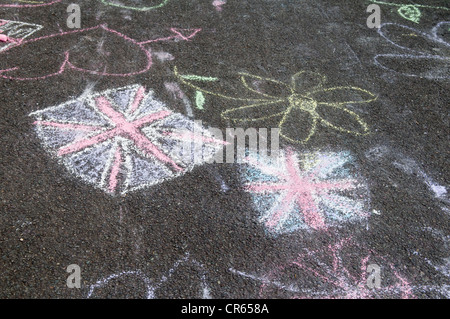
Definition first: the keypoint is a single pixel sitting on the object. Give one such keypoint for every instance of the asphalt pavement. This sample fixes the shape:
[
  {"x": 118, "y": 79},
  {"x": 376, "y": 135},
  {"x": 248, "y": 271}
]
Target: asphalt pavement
[{"x": 356, "y": 204}]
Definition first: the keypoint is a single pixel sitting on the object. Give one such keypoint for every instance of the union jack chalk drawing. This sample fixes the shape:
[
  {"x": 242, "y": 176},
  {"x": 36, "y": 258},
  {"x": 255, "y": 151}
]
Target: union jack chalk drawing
[
  {"x": 122, "y": 139},
  {"x": 312, "y": 192}
]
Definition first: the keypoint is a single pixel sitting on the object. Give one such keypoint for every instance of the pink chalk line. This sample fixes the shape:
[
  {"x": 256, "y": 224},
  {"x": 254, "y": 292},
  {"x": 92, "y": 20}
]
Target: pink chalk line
[
  {"x": 218, "y": 4},
  {"x": 68, "y": 65},
  {"x": 115, "y": 170},
  {"x": 177, "y": 35},
  {"x": 28, "y": 5},
  {"x": 122, "y": 127}
]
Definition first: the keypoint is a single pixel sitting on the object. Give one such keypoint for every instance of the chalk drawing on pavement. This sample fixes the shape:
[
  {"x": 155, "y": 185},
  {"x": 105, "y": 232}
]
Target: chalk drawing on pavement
[
  {"x": 152, "y": 286},
  {"x": 147, "y": 6},
  {"x": 334, "y": 272},
  {"x": 151, "y": 5},
  {"x": 177, "y": 34},
  {"x": 13, "y": 32},
  {"x": 177, "y": 93},
  {"x": 442, "y": 266},
  {"x": 218, "y": 4},
  {"x": 312, "y": 191},
  {"x": 26, "y": 3},
  {"x": 111, "y": 62},
  {"x": 384, "y": 156},
  {"x": 123, "y": 139},
  {"x": 302, "y": 106},
  {"x": 411, "y": 12},
  {"x": 426, "y": 55}
]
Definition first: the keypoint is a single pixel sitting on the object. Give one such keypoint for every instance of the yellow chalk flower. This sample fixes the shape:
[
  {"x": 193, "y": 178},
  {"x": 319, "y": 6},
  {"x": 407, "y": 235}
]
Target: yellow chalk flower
[{"x": 302, "y": 104}]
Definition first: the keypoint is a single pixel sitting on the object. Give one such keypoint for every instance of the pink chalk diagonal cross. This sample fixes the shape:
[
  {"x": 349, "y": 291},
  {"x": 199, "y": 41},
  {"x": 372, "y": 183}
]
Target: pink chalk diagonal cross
[
  {"x": 321, "y": 194},
  {"x": 122, "y": 139}
]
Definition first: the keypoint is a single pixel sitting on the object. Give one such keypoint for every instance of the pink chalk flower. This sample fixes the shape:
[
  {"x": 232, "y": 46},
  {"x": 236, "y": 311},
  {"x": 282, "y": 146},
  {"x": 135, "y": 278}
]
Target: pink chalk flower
[
  {"x": 320, "y": 190},
  {"x": 123, "y": 139},
  {"x": 337, "y": 272}
]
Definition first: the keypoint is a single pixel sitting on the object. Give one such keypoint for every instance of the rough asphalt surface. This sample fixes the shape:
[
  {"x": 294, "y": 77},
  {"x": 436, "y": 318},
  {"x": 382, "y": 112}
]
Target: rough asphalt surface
[{"x": 200, "y": 234}]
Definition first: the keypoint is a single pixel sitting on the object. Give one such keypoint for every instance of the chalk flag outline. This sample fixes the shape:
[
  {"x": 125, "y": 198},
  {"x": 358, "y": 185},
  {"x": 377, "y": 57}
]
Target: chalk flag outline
[
  {"x": 438, "y": 61},
  {"x": 320, "y": 193},
  {"x": 123, "y": 139}
]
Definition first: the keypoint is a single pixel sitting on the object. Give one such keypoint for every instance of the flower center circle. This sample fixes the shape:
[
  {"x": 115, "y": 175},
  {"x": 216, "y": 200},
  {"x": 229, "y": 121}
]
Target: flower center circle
[{"x": 305, "y": 103}]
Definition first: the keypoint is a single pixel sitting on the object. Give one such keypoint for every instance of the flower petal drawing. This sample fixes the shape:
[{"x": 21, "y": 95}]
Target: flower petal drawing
[
  {"x": 122, "y": 139},
  {"x": 306, "y": 81},
  {"x": 401, "y": 36},
  {"x": 297, "y": 125},
  {"x": 429, "y": 67},
  {"x": 341, "y": 95},
  {"x": 260, "y": 85},
  {"x": 341, "y": 119},
  {"x": 441, "y": 32},
  {"x": 313, "y": 191},
  {"x": 256, "y": 112},
  {"x": 428, "y": 56}
]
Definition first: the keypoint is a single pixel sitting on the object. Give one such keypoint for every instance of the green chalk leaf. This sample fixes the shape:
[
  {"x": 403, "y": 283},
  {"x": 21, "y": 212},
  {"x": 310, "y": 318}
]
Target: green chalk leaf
[
  {"x": 410, "y": 12},
  {"x": 199, "y": 100}
]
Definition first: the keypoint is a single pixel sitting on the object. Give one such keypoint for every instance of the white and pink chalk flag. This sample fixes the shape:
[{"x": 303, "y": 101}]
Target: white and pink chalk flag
[
  {"x": 123, "y": 139},
  {"x": 306, "y": 191}
]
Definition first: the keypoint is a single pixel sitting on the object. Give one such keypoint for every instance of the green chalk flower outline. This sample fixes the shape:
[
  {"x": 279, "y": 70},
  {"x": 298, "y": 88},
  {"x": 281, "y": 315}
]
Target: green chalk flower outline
[
  {"x": 110, "y": 3},
  {"x": 409, "y": 12}
]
